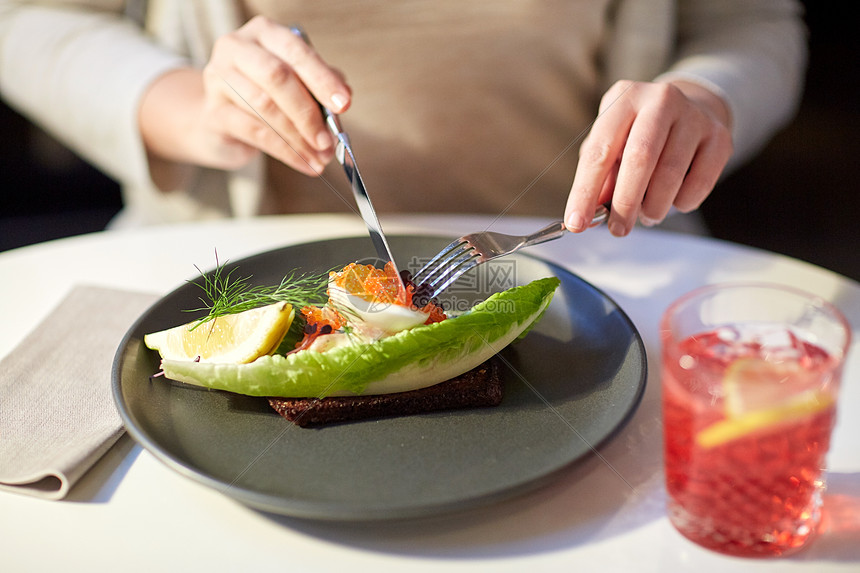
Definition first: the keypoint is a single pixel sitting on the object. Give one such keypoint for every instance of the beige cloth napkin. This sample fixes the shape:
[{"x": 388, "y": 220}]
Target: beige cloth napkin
[{"x": 57, "y": 415}]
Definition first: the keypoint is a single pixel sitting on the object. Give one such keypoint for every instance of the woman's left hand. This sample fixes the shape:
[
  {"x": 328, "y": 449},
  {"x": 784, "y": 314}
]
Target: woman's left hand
[{"x": 652, "y": 146}]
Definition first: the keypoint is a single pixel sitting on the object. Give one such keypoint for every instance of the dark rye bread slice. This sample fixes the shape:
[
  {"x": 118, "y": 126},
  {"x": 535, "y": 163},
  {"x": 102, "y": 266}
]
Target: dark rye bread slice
[{"x": 479, "y": 387}]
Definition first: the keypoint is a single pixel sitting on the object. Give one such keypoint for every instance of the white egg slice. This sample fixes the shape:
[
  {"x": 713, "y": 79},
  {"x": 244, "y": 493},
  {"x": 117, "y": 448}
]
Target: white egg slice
[{"x": 373, "y": 318}]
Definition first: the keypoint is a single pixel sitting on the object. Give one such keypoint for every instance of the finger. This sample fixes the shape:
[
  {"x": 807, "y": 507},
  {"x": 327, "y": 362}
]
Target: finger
[
  {"x": 265, "y": 126},
  {"x": 608, "y": 188},
  {"x": 597, "y": 160},
  {"x": 280, "y": 92},
  {"x": 225, "y": 151},
  {"x": 669, "y": 174},
  {"x": 709, "y": 161},
  {"x": 251, "y": 130},
  {"x": 325, "y": 83},
  {"x": 642, "y": 151}
]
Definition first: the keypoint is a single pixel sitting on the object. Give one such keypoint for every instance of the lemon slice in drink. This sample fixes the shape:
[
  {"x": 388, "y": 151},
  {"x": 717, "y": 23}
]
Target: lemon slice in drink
[
  {"x": 234, "y": 338},
  {"x": 754, "y": 384},
  {"x": 760, "y": 395}
]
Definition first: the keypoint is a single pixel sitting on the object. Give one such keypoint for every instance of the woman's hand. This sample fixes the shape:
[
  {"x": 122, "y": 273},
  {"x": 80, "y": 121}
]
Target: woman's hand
[
  {"x": 652, "y": 146},
  {"x": 254, "y": 95}
]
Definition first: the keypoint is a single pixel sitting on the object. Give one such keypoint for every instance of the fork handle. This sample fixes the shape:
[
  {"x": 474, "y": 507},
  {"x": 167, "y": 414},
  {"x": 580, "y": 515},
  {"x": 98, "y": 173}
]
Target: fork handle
[
  {"x": 549, "y": 233},
  {"x": 556, "y": 229}
]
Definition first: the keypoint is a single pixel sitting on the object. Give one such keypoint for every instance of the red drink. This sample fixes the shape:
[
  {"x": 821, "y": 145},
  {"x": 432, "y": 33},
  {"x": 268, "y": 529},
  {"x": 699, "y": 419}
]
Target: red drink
[{"x": 747, "y": 419}]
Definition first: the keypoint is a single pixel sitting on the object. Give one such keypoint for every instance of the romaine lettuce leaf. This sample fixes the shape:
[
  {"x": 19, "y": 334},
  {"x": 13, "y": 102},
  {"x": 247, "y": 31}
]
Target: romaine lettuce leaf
[{"x": 408, "y": 360}]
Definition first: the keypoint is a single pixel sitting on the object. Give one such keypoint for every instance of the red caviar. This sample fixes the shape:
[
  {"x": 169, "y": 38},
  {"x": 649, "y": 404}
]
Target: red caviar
[
  {"x": 383, "y": 286},
  {"x": 372, "y": 284},
  {"x": 319, "y": 320},
  {"x": 322, "y": 316}
]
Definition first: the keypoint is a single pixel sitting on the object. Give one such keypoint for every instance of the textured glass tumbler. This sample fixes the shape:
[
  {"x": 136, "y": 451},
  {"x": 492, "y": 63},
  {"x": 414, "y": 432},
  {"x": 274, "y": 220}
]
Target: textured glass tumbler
[{"x": 750, "y": 378}]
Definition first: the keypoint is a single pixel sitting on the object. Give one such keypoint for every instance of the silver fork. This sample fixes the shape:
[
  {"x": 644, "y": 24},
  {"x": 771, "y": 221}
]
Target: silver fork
[{"x": 469, "y": 251}]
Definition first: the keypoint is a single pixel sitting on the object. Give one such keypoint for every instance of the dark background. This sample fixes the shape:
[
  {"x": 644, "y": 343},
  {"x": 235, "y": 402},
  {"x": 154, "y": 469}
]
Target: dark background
[{"x": 796, "y": 198}]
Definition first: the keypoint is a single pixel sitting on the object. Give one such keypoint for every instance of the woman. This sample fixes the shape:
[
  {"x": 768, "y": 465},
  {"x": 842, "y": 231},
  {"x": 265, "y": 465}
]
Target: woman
[{"x": 206, "y": 109}]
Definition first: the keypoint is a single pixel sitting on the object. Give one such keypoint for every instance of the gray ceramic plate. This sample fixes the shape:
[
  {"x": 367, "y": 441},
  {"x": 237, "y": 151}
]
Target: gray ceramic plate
[{"x": 569, "y": 386}]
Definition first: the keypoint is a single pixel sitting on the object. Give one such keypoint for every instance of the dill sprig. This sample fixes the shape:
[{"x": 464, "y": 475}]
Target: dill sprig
[{"x": 225, "y": 294}]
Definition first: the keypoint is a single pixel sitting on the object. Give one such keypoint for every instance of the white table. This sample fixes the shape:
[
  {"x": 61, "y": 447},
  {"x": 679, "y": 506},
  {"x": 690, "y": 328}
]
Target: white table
[{"x": 133, "y": 513}]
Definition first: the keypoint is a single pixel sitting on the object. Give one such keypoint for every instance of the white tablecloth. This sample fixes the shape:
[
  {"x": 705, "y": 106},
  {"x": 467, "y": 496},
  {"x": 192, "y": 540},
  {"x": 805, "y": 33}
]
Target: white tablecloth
[{"x": 133, "y": 513}]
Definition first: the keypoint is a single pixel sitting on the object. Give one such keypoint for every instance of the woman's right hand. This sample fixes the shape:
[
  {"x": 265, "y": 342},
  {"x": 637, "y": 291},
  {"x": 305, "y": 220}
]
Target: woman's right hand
[{"x": 254, "y": 95}]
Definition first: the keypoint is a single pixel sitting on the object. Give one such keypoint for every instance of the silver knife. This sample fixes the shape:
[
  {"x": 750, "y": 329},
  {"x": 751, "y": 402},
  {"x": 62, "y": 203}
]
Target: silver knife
[{"x": 345, "y": 156}]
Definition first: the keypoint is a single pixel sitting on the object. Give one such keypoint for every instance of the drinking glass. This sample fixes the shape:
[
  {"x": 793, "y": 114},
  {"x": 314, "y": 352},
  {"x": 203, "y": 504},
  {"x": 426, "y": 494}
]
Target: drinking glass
[{"x": 750, "y": 378}]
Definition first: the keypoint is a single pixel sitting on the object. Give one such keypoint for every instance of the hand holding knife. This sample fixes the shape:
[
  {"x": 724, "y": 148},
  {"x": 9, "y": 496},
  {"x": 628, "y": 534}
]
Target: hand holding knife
[{"x": 345, "y": 156}]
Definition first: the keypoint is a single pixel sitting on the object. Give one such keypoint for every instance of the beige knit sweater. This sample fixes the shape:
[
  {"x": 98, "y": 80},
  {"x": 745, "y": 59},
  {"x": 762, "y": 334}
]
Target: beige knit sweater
[{"x": 458, "y": 106}]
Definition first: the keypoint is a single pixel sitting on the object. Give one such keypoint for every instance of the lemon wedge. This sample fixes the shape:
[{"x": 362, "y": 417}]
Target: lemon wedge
[
  {"x": 752, "y": 384},
  {"x": 234, "y": 338},
  {"x": 759, "y": 395},
  {"x": 797, "y": 408}
]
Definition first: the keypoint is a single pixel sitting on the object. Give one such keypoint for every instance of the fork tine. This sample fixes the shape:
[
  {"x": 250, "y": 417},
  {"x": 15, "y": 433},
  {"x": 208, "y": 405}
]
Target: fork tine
[
  {"x": 455, "y": 274},
  {"x": 451, "y": 264},
  {"x": 439, "y": 261}
]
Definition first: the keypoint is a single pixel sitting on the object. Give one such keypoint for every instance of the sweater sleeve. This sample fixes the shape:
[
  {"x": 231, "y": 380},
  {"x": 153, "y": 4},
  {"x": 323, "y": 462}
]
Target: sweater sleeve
[
  {"x": 80, "y": 74},
  {"x": 753, "y": 54}
]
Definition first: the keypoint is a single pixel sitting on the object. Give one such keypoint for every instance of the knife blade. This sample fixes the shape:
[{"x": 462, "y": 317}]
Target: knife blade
[{"x": 345, "y": 156}]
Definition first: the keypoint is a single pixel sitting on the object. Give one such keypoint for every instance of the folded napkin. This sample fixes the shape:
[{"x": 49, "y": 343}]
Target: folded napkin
[{"x": 57, "y": 415}]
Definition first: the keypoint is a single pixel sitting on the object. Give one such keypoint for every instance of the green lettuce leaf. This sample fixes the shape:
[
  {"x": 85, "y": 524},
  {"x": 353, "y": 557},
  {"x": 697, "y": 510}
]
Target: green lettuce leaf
[{"x": 410, "y": 359}]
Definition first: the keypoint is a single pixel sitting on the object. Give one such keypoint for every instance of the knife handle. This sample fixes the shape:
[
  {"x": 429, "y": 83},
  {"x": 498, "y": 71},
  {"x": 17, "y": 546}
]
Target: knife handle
[{"x": 331, "y": 118}]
